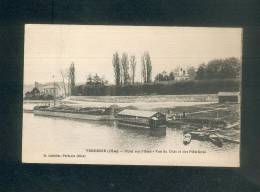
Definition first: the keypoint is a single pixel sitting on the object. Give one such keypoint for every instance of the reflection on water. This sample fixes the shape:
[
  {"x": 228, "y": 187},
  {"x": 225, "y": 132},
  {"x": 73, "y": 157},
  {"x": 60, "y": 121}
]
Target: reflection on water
[{"x": 50, "y": 133}]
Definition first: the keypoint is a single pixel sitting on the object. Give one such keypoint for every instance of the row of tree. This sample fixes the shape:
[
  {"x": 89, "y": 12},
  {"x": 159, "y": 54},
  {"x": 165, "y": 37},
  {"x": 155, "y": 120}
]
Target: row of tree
[
  {"x": 125, "y": 69},
  {"x": 164, "y": 76},
  {"x": 176, "y": 87},
  {"x": 96, "y": 80},
  {"x": 215, "y": 69},
  {"x": 219, "y": 69}
]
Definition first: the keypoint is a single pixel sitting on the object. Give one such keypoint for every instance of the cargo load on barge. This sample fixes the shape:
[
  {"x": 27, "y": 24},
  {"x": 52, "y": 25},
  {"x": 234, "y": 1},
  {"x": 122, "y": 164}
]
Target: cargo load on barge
[{"x": 86, "y": 113}]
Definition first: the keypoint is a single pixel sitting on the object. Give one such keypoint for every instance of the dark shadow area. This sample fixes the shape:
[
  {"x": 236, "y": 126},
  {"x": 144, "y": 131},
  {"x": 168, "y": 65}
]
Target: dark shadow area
[{"x": 15, "y": 176}]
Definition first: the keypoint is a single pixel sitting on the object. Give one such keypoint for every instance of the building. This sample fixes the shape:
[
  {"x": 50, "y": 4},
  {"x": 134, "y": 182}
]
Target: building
[
  {"x": 229, "y": 97},
  {"x": 141, "y": 119},
  {"x": 182, "y": 75},
  {"x": 52, "y": 89}
]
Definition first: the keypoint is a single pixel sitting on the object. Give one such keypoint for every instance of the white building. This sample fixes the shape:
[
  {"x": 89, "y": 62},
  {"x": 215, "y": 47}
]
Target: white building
[
  {"x": 182, "y": 74},
  {"x": 51, "y": 89}
]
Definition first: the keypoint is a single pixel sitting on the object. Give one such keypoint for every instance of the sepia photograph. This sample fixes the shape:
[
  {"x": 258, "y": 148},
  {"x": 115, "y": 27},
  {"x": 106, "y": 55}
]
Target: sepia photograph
[{"x": 132, "y": 95}]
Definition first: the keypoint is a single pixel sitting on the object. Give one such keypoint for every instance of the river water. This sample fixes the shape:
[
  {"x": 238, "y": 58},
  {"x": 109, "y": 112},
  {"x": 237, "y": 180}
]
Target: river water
[{"x": 54, "y": 135}]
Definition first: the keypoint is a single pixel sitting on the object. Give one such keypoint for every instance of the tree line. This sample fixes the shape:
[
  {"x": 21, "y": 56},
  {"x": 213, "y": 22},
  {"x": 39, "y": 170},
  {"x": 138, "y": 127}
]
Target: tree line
[
  {"x": 96, "y": 80},
  {"x": 222, "y": 73},
  {"x": 219, "y": 69},
  {"x": 125, "y": 68},
  {"x": 215, "y": 69},
  {"x": 174, "y": 88}
]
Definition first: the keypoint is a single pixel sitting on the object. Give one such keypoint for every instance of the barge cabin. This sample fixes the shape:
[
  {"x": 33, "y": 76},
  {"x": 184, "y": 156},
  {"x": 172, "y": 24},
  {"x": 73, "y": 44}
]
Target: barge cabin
[{"x": 141, "y": 119}]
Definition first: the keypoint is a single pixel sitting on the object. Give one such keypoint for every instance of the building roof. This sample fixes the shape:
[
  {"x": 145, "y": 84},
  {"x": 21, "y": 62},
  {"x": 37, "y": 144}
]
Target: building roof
[
  {"x": 137, "y": 113},
  {"x": 50, "y": 85},
  {"x": 228, "y": 93}
]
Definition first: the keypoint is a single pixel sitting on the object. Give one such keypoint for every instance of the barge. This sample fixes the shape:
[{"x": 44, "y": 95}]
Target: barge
[
  {"x": 141, "y": 119},
  {"x": 85, "y": 113}
]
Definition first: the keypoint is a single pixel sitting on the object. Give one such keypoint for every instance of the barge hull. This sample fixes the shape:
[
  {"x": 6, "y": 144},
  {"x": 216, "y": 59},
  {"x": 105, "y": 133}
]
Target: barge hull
[
  {"x": 120, "y": 123},
  {"x": 74, "y": 115}
]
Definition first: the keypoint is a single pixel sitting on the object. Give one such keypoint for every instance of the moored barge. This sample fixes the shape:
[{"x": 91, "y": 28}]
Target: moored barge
[
  {"x": 85, "y": 113},
  {"x": 141, "y": 119}
]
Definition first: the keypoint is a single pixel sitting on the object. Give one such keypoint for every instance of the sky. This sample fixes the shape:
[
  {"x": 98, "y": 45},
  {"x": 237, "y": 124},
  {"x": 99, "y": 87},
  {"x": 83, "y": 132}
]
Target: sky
[{"x": 50, "y": 49}]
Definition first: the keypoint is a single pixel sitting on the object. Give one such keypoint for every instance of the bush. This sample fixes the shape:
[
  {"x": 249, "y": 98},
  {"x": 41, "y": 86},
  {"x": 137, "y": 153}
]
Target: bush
[{"x": 174, "y": 88}]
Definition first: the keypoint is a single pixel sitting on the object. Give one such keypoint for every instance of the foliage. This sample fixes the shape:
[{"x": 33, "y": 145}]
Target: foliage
[
  {"x": 177, "y": 87},
  {"x": 125, "y": 68},
  {"x": 72, "y": 78},
  {"x": 133, "y": 68},
  {"x": 95, "y": 81},
  {"x": 143, "y": 69},
  {"x": 220, "y": 69},
  {"x": 116, "y": 65},
  {"x": 146, "y": 67},
  {"x": 163, "y": 76},
  {"x": 201, "y": 72},
  {"x": 191, "y": 72},
  {"x": 63, "y": 83}
]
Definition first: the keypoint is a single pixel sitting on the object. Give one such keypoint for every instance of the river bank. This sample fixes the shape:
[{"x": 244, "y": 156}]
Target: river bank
[{"x": 145, "y": 102}]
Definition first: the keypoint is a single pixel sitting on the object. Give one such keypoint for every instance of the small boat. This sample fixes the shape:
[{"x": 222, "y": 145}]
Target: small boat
[
  {"x": 186, "y": 138},
  {"x": 228, "y": 139},
  {"x": 202, "y": 136},
  {"x": 199, "y": 135},
  {"x": 216, "y": 140}
]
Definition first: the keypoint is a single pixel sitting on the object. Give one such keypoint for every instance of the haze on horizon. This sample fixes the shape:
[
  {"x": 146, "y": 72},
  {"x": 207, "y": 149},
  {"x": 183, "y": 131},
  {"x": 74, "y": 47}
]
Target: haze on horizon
[{"x": 51, "y": 48}]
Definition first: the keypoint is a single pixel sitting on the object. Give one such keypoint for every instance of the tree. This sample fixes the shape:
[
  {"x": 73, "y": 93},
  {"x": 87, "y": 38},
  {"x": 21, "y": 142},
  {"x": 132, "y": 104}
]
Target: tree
[
  {"x": 220, "y": 69},
  {"x": 214, "y": 68},
  {"x": 201, "y": 72},
  {"x": 159, "y": 77},
  {"x": 163, "y": 76},
  {"x": 125, "y": 67},
  {"x": 231, "y": 67},
  {"x": 72, "y": 78},
  {"x": 171, "y": 76},
  {"x": 133, "y": 68},
  {"x": 144, "y": 72},
  {"x": 223, "y": 68},
  {"x": 97, "y": 80},
  {"x": 63, "y": 83},
  {"x": 116, "y": 65},
  {"x": 89, "y": 80},
  {"x": 146, "y": 67},
  {"x": 191, "y": 72}
]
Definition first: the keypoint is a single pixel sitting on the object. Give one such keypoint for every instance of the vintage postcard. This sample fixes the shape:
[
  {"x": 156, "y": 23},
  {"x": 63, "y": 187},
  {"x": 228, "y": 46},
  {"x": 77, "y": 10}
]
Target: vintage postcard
[{"x": 132, "y": 95}]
